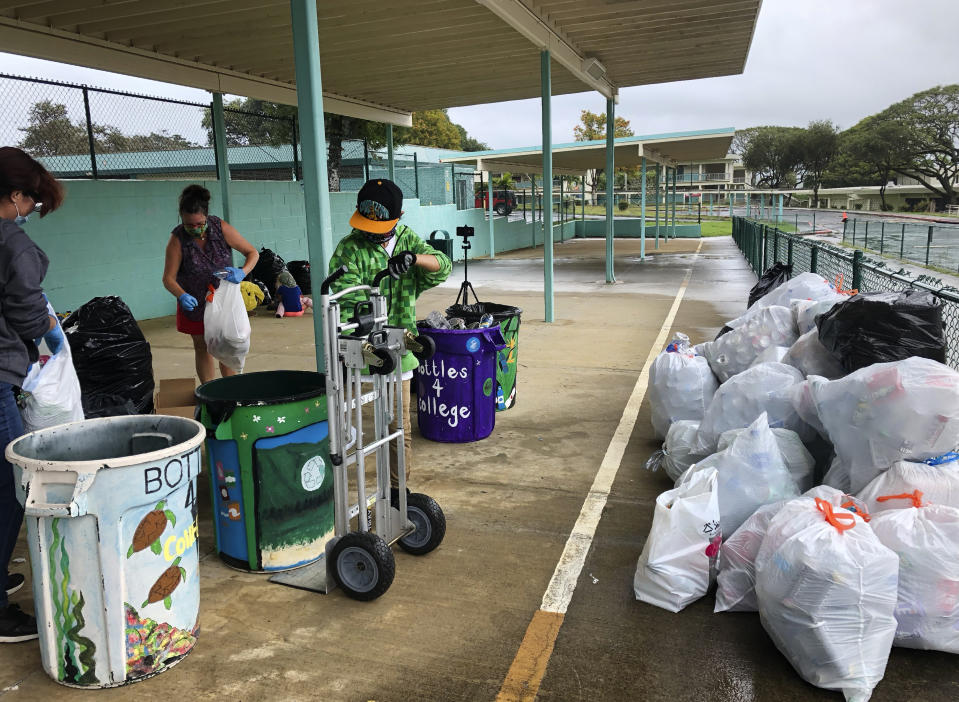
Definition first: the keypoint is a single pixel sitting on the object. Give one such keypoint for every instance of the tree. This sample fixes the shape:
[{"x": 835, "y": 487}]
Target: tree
[
  {"x": 775, "y": 156},
  {"x": 741, "y": 140},
  {"x": 818, "y": 145},
  {"x": 434, "y": 128},
  {"x": 271, "y": 123},
  {"x": 51, "y": 133},
  {"x": 592, "y": 127},
  {"x": 930, "y": 124},
  {"x": 868, "y": 154}
]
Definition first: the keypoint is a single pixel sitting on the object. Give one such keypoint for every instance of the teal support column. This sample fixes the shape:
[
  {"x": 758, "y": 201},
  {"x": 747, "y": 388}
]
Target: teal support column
[
  {"x": 610, "y": 182},
  {"x": 562, "y": 211},
  {"x": 492, "y": 239},
  {"x": 309, "y": 97},
  {"x": 642, "y": 216},
  {"x": 390, "y": 163},
  {"x": 582, "y": 203},
  {"x": 658, "y": 167},
  {"x": 673, "y": 217},
  {"x": 779, "y": 218},
  {"x": 222, "y": 160},
  {"x": 546, "y": 85}
]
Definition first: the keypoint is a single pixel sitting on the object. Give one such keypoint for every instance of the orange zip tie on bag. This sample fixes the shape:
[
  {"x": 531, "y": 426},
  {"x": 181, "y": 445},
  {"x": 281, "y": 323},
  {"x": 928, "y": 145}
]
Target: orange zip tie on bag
[
  {"x": 915, "y": 496},
  {"x": 838, "y": 285},
  {"x": 834, "y": 518}
]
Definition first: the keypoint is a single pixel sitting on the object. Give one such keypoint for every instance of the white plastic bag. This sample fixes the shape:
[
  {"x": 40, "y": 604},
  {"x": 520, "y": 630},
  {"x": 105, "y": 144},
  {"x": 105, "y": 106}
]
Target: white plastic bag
[
  {"x": 51, "y": 391},
  {"x": 806, "y": 311},
  {"x": 751, "y": 474},
  {"x": 742, "y": 398},
  {"x": 737, "y": 350},
  {"x": 677, "y": 564},
  {"x": 887, "y": 412},
  {"x": 227, "y": 327},
  {"x": 939, "y": 485},
  {"x": 810, "y": 357},
  {"x": 827, "y": 590},
  {"x": 796, "y": 456},
  {"x": 679, "y": 450},
  {"x": 926, "y": 539},
  {"x": 774, "y": 354},
  {"x": 805, "y": 286},
  {"x": 681, "y": 386},
  {"x": 736, "y": 581}
]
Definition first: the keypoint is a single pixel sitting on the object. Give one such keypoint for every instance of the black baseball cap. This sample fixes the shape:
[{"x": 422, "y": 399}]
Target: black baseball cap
[{"x": 379, "y": 205}]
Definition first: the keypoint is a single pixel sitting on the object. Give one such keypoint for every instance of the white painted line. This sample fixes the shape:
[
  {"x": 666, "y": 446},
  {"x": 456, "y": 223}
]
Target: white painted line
[{"x": 561, "y": 586}]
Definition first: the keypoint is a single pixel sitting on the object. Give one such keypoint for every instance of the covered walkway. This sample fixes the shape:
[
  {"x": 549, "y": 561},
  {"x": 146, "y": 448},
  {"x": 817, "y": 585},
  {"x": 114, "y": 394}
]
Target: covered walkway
[{"x": 452, "y": 625}]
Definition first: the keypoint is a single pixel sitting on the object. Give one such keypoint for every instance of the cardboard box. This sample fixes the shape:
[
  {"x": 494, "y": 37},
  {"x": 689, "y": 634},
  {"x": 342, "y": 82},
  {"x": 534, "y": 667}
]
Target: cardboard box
[{"x": 175, "y": 396}]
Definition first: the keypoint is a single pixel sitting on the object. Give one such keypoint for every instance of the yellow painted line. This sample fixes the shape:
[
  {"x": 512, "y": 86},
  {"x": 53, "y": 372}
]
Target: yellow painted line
[{"x": 529, "y": 665}]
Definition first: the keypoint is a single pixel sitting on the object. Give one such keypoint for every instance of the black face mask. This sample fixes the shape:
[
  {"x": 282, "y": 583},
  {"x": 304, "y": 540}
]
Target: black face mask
[{"x": 379, "y": 238}]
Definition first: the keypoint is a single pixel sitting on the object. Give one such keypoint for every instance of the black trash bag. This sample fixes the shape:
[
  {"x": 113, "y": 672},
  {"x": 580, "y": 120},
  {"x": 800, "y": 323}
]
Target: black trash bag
[
  {"x": 268, "y": 267},
  {"x": 472, "y": 313},
  {"x": 110, "y": 353},
  {"x": 104, "y": 405},
  {"x": 300, "y": 270},
  {"x": 725, "y": 330},
  {"x": 267, "y": 297},
  {"x": 881, "y": 327},
  {"x": 769, "y": 281}
]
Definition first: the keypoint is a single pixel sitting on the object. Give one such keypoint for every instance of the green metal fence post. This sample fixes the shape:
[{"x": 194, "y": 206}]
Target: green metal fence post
[
  {"x": 854, "y": 232},
  {"x": 222, "y": 162},
  {"x": 416, "y": 176},
  {"x": 366, "y": 159},
  {"x": 856, "y": 269},
  {"x": 391, "y": 161},
  {"x": 789, "y": 252},
  {"x": 902, "y": 242},
  {"x": 928, "y": 243},
  {"x": 91, "y": 142},
  {"x": 845, "y": 222},
  {"x": 865, "y": 236},
  {"x": 882, "y": 236},
  {"x": 814, "y": 259}
]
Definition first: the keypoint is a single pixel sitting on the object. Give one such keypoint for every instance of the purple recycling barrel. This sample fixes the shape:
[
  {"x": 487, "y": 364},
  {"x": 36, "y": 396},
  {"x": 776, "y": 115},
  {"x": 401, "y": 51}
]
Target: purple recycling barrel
[{"x": 456, "y": 388}]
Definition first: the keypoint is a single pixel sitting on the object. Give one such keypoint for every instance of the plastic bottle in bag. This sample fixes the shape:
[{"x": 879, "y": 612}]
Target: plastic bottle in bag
[{"x": 437, "y": 320}]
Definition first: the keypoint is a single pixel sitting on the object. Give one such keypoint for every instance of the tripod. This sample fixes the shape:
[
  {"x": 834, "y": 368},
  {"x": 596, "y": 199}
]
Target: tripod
[{"x": 465, "y": 287}]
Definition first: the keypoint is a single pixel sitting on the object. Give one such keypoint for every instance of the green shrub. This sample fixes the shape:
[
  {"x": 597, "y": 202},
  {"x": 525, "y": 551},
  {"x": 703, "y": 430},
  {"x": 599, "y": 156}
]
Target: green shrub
[{"x": 623, "y": 205}]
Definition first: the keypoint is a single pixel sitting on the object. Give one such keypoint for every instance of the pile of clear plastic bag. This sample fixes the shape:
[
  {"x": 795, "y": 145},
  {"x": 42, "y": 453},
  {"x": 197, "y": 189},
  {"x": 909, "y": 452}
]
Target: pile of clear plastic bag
[
  {"x": 926, "y": 539},
  {"x": 737, "y": 350},
  {"x": 795, "y": 455},
  {"x": 763, "y": 388},
  {"x": 827, "y": 592},
  {"x": 810, "y": 357},
  {"x": 679, "y": 450},
  {"x": 677, "y": 564},
  {"x": 939, "y": 483},
  {"x": 681, "y": 385}
]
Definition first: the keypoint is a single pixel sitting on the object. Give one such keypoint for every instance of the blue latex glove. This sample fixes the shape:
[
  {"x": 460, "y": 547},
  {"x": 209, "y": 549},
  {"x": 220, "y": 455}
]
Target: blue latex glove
[
  {"x": 234, "y": 275},
  {"x": 54, "y": 339},
  {"x": 187, "y": 302}
]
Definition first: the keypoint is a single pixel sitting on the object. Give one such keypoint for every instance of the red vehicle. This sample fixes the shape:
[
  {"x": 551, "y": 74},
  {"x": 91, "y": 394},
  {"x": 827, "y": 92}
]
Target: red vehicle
[{"x": 504, "y": 201}]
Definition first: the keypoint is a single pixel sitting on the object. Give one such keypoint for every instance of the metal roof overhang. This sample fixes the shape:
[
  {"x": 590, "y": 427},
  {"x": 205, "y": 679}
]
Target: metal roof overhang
[
  {"x": 578, "y": 157},
  {"x": 384, "y": 60}
]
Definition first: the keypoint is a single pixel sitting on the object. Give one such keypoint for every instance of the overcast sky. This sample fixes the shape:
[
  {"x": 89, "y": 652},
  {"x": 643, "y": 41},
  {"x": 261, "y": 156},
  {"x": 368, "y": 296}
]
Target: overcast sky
[{"x": 810, "y": 59}]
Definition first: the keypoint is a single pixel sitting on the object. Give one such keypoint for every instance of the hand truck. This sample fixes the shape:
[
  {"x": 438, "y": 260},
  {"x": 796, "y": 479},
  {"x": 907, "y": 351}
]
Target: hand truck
[{"x": 361, "y": 561}]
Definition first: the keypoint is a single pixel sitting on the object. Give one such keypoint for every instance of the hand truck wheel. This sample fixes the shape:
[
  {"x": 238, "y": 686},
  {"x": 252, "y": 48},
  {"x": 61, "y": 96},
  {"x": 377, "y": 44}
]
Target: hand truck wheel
[
  {"x": 363, "y": 565},
  {"x": 388, "y": 365},
  {"x": 428, "y": 347},
  {"x": 429, "y": 522}
]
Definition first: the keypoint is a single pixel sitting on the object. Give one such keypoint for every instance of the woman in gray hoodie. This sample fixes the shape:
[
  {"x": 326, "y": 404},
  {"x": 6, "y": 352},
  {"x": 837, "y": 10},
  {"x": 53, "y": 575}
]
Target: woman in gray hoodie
[{"x": 25, "y": 187}]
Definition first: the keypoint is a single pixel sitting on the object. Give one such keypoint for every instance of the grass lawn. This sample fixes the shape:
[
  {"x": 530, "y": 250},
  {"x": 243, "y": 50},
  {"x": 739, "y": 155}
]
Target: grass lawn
[{"x": 715, "y": 228}]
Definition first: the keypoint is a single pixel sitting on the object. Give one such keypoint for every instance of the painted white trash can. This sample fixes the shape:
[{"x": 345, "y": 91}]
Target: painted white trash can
[{"x": 110, "y": 507}]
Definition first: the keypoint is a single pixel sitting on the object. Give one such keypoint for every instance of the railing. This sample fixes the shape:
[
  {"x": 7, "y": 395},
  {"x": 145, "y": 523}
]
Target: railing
[
  {"x": 932, "y": 245},
  {"x": 763, "y": 246}
]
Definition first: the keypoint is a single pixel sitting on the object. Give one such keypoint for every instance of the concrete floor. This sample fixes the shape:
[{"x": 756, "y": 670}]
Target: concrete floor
[{"x": 452, "y": 622}]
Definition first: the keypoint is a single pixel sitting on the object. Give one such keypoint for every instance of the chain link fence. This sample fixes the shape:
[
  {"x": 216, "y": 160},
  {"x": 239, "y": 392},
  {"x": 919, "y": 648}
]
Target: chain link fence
[
  {"x": 763, "y": 246},
  {"x": 934, "y": 245}
]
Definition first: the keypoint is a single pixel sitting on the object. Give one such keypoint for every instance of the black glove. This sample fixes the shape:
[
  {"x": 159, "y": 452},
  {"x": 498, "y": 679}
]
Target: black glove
[{"x": 401, "y": 263}]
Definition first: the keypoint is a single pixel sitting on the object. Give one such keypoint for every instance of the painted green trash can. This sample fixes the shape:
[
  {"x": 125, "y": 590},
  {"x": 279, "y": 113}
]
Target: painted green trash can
[
  {"x": 508, "y": 318},
  {"x": 272, "y": 482},
  {"x": 444, "y": 245},
  {"x": 111, "y": 516}
]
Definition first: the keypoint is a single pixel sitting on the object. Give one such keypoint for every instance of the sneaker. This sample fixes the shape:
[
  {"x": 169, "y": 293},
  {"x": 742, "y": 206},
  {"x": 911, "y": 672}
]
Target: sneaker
[
  {"x": 16, "y": 625},
  {"x": 14, "y": 582}
]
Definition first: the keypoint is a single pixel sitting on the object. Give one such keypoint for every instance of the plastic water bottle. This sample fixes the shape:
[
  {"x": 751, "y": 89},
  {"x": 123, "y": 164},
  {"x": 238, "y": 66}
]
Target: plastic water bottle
[
  {"x": 221, "y": 274},
  {"x": 486, "y": 320},
  {"x": 456, "y": 323},
  {"x": 437, "y": 320}
]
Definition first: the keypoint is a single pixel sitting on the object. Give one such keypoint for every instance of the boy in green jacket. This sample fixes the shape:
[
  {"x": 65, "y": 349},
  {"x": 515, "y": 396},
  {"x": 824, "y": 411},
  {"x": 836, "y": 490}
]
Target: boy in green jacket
[{"x": 378, "y": 241}]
